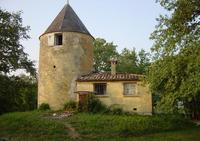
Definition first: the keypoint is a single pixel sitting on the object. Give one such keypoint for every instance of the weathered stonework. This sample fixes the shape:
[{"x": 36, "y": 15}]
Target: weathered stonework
[{"x": 59, "y": 67}]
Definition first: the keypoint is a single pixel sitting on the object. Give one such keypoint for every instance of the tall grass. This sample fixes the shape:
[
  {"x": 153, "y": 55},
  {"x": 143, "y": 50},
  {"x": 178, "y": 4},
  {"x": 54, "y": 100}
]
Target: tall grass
[
  {"x": 128, "y": 125},
  {"x": 31, "y": 126},
  {"x": 41, "y": 126}
]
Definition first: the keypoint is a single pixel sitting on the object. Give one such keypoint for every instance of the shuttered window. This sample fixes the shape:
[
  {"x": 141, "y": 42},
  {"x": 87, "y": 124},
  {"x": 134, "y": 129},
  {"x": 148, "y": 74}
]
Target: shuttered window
[{"x": 129, "y": 89}]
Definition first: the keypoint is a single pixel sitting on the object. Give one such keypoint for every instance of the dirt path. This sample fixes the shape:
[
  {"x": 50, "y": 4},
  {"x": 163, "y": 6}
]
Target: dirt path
[{"x": 72, "y": 132}]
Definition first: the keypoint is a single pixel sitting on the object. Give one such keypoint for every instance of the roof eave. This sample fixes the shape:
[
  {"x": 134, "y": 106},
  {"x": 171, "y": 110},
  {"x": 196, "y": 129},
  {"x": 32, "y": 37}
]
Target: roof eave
[
  {"x": 66, "y": 32},
  {"x": 107, "y": 80}
]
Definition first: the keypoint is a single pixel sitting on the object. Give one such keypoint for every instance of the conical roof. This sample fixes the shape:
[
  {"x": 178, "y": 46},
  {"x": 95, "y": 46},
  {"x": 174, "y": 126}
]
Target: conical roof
[{"x": 67, "y": 21}]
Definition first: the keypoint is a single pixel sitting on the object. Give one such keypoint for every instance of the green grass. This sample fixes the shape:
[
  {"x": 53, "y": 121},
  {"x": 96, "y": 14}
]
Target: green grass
[
  {"x": 31, "y": 126},
  {"x": 39, "y": 126},
  {"x": 112, "y": 127}
]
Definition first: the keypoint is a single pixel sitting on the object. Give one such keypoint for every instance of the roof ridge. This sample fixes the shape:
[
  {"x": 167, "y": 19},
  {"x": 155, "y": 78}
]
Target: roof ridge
[{"x": 65, "y": 8}]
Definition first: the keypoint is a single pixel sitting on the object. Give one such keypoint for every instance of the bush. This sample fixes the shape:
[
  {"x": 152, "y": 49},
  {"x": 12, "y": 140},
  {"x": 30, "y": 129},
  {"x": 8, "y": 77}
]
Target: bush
[
  {"x": 44, "y": 107},
  {"x": 92, "y": 105},
  {"x": 116, "y": 109},
  {"x": 70, "y": 106}
]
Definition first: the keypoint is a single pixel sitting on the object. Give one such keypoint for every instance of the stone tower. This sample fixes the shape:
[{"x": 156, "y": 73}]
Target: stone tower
[{"x": 66, "y": 52}]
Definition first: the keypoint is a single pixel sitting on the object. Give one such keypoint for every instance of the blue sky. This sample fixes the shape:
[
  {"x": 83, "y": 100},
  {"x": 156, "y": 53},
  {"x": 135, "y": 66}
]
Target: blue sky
[{"x": 127, "y": 23}]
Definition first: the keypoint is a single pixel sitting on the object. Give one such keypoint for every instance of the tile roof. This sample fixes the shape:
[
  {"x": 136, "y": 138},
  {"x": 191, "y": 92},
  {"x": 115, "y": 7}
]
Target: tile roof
[
  {"x": 107, "y": 76},
  {"x": 67, "y": 21}
]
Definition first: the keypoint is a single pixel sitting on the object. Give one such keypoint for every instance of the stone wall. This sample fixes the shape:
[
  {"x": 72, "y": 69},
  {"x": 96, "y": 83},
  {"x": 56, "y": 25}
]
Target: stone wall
[
  {"x": 141, "y": 100},
  {"x": 59, "y": 67}
]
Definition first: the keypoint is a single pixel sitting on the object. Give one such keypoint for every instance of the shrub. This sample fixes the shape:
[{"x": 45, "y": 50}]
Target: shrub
[
  {"x": 70, "y": 106},
  {"x": 44, "y": 107},
  {"x": 116, "y": 109},
  {"x": 92, "y": 105}
]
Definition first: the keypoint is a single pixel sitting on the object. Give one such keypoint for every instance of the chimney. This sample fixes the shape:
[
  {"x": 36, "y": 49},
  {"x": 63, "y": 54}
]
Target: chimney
[{"x": 113, "y": 66}]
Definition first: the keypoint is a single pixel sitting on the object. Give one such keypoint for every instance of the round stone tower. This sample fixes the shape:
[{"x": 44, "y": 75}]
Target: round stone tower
[{"x": 66, "y": 52}]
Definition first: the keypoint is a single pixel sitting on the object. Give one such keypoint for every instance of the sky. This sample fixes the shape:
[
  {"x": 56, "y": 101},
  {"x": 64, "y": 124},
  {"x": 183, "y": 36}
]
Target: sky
[{"x": 126, "y": 23}]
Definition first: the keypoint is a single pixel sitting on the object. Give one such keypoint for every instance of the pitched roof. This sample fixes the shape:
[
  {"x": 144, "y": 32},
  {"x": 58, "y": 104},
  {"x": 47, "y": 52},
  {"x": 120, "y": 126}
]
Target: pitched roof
[
  {"x": 67, "y": 21},
  {"x": 107, "y": 76}
]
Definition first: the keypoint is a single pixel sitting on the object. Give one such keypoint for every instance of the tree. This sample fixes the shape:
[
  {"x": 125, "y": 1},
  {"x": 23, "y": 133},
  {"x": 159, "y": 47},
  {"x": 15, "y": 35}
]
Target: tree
[
  {"x": 143, "y": 61},
  {"x": 12, "y": 55},
  {"x": 174, "y": 77},
  {"x": 17, "y": 93},
  {"x": 132, "y": 62},
  {"x": 103, "y": 52},
  {"x": 128, "y": 61}
]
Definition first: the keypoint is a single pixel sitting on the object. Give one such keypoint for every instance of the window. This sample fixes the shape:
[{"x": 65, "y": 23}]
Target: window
[
  {"x": 100, "y": 88},
  {"x": 58, "y": 39},
  {"x": 129, "y": 88}
]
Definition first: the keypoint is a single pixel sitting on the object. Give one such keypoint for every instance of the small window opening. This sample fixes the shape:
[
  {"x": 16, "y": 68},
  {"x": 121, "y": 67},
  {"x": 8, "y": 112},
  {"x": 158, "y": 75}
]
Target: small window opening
[
  {"x": 58, "y": 39},
  {"x": 134, "y": 109},
  {"x": 54, "y": 67},
  {"x": 100, "y": 88}
]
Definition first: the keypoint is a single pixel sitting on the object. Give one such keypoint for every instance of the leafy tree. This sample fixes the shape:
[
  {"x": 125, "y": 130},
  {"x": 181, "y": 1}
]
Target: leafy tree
[
  {"x": 103, "y": 52},
  {"x": 175, "y": 77},
  {"x": 12, "y": 55},
  {"x": 128, "y": 61},
  {"x": 17, "y": 93},
  {"x": 132, "y": 62},
  {"x": 143, "y": 61}
]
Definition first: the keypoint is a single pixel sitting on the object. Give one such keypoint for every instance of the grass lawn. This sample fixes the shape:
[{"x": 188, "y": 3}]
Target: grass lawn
[{"x": 40, "y": 126}]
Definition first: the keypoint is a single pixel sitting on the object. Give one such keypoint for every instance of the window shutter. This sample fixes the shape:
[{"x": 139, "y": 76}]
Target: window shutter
[{"x": 129, "y": 89}]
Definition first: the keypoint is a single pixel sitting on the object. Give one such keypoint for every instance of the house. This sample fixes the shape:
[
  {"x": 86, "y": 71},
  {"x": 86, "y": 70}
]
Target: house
[
  {"x": 66, "y": 65},
  {"x": 125, "y": 90}
]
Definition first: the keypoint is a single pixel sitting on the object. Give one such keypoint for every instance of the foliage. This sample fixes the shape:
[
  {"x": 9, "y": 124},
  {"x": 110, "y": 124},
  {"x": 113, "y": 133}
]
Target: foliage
[
  {"x": 12, "y": 55},
  {"x": 44, "y": 107},
  {"x": 122, "y": 126},
  {"x": 174, "y": 77},
  {"x": 38, "y": 126},
  {"x": 116, "y": 109},
  {"x": 143, "y": 61},
  {"x": 70, "y": 106},
  {"x": 129, "y": 60},
  {"x": 132, "y": 62},
  {"x": 103, "y": 52},
  {"x": 31, "y": 126},
  {"x": 179, "y": 30},
  {"x": 92, "y": 105},
  {"x": 17, "y": 93}
]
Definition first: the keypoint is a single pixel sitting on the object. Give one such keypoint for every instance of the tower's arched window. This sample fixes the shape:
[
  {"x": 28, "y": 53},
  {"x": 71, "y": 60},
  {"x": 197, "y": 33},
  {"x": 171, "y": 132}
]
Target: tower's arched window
[{"x": 58, "y": 39}]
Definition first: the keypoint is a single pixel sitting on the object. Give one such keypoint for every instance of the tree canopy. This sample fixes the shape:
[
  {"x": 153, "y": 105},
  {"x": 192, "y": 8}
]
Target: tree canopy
[
  {"x": 174, "y": 77},
  {"x": 103, "y": 52},
  {"x": 12, "y": 55},
  {"x": 128, "y": 60},
  {"x": 17, "y": 93}
]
